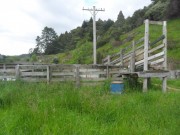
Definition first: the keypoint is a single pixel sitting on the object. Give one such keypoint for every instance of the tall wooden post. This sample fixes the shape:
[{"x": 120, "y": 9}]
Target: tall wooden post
[
  {"x": 146, "y": 47},
  {"x": 109, "y": 59},
  {"x": 17, "y": 72},
  {"x": 121, "y": 57},
  {"x": 164, "y": 79},
  {"x": 107, "y": 72},
  {"x": 132, "y": 61},
  {"x": 77, "y": 76},
  {"x": 4, "y": 71},
  {"x": 48, "y": 74}
]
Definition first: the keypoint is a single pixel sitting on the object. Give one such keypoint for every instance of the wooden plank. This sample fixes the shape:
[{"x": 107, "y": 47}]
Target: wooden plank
[
  {"x": 156, "y": 55},
  {"x": 7, "y": 70},
  {"x": 155, "y": 74},
  {"x": 156, "y": 48},
  {"x": 93, "y": 73},
  {"x": 93, "y": 79},
  {"x": 139, "y": 52},
  {"x": 150, "y": 58},
  {"x": 113, "y": 72},
  {"x": 63, "y": 74},
  {"x": 139, "y": 62},
  {"x": 63, "y": 79},
  {"x": 157, "y": 61},
  {"x": 9, "y": 76},
  {"x": 156, "y": 22},
  {"x": 34, "y": 79},
  {"x": 23, "y": 74}
]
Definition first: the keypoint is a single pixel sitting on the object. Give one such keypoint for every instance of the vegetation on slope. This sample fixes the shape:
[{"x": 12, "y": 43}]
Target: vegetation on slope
[{"x": 38, "y": 108}]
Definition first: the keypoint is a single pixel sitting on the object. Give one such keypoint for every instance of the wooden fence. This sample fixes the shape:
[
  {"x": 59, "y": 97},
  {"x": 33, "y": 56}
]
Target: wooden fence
[
  {"x": 142, "y": 53},
  {"x": 144, "y": 56},
  {"x": 7, "y": 71},
  {"x": 58, "y": 73}
]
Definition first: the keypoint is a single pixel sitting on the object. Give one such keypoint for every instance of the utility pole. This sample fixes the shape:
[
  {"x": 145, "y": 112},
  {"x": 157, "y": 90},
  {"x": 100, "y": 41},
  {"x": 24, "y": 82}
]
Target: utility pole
[{"x": 94, "y": 11}]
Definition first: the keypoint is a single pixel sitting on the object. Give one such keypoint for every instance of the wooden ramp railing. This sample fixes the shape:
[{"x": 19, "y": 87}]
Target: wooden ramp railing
[
  {"x": 144, "y": 56},
  {"x": 142, "y": 51}
]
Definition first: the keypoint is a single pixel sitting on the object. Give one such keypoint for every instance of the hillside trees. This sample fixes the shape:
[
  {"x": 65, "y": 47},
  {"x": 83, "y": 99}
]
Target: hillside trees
[{"x": 174, "y": 9}]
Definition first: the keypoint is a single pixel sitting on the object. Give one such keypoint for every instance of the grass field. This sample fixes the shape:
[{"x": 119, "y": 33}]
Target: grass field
[{"x": 38, "y": 108}]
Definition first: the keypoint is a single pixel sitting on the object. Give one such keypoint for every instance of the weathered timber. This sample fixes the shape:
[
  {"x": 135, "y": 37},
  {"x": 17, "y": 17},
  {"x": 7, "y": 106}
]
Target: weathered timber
[
  {"x": 156, "y": 48},
  {"x": 157, "y": 40},
  {"x": 156, "y": 22}
]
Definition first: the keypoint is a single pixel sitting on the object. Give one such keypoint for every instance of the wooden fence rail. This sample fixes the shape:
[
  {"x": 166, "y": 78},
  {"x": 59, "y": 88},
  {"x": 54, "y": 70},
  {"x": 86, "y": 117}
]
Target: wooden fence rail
[{"x": 58, "y": 73}]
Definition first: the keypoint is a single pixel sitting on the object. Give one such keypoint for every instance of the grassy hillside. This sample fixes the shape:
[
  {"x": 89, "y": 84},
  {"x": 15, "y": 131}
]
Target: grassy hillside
[
  {"x": 83, "y": 51},
  {"x": 37, "y": 108}
]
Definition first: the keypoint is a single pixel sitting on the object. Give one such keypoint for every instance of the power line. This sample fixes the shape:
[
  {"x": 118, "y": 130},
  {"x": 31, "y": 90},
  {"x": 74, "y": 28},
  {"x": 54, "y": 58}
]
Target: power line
[{"x": 94, "y": 12}]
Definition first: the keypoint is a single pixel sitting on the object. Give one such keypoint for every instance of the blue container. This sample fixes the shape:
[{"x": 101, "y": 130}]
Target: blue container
[{"x": 117, "y": 87}]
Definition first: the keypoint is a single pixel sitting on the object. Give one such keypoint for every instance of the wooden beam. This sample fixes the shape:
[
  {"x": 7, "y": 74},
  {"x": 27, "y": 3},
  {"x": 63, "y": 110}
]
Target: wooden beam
[
  {"x": 132, "y": 61},
  {"x": 146, "y": 44},
  {"x": 157, "y": 61},
  {"x": 145, "y": 85},
  {"x": 156, "y": 55},
  {"x": 48, "y": 74},
  {"x": 164, "y": 84},
  {"x": 77, "y": 76},
  {"x": 165, "y": 44},
  {"x": 156, "y": 22},
  {"x": 156, "y": 48},
  {"x": 17, "y": 75},
  {"x": 153, "y": 74}
]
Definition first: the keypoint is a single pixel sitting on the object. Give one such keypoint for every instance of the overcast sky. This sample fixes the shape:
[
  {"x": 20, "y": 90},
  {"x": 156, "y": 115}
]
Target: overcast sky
[{"x": 22, "y": 20}]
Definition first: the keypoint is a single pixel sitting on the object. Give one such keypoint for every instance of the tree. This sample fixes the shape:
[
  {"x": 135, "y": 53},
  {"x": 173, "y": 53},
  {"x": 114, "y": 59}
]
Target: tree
[
  {"x": 120, "y": 20},
  {"x": 174, "y": 9},
  {"x": 107, "y": 24},
  {"x": 46, "y": 40}
]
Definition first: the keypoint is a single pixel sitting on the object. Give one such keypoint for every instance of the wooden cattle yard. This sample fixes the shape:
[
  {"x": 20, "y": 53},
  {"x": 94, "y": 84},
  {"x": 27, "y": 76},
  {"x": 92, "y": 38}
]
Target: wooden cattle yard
[
  {"x": 142, "y": 59},
  {"x": 59, "y": 73}
]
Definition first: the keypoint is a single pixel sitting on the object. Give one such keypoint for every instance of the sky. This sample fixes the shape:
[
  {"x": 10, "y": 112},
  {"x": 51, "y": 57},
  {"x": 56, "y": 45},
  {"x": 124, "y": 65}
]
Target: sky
[{"x": 21, "y": 21}]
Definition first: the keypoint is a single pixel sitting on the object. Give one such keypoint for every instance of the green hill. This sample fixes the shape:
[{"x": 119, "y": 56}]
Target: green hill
[{"x": 83, "y": 52}]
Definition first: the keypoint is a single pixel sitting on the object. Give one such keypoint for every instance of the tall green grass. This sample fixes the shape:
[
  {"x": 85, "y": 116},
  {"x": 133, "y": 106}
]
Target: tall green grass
[{"x": 38, "y": 108}]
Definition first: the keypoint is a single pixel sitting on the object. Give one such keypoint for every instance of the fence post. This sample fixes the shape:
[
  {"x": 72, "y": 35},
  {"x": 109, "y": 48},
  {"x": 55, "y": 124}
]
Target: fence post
[
  {"x": 109, "y": 59},
  {"x": 17, "y": 71},
  {"x": 121, "y": 57},
  {"x": 77, "y": 75},
  {"x": 146, "y": 48},
  {"x": 164, "y": 83},
  {"x": 48, "y": 74},
  {"x": 132, "y": 61},
  {"x": 4, "y": 71},
  {"x": 107, "y": 72}
]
